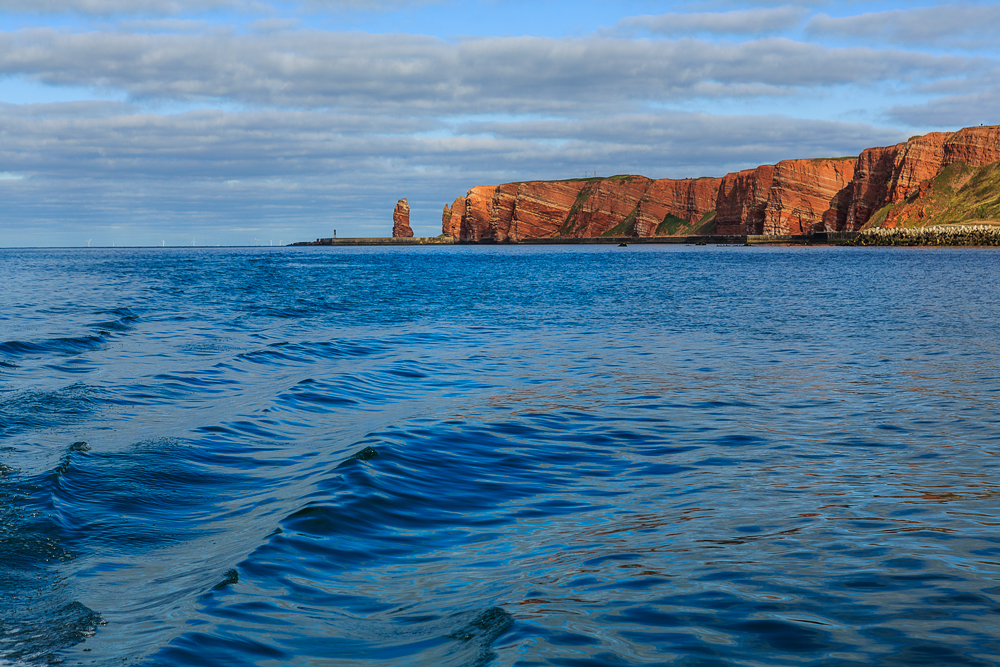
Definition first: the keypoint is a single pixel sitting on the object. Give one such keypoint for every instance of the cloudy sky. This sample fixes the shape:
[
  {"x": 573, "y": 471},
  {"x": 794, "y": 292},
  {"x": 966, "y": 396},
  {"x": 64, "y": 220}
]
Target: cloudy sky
[{"x": 138, "y": 122}]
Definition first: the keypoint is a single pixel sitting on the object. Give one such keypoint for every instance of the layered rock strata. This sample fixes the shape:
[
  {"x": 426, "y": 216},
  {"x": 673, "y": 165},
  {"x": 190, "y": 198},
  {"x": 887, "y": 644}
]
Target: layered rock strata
[
  {"x": 742, "y": 201},
  {"x": 668, "y": 202},
  {"x": 401, "y": 220},
  {"x": 809, "y": 196},
  {"x": 451, "y": 218},
  {"x": 885, "y": 175},
  {"x": 584, "y": 208},
  {"x": 975, "y": 146},
  {"x": 790, "y": 197},
  {"x": 892, "y": 174}
]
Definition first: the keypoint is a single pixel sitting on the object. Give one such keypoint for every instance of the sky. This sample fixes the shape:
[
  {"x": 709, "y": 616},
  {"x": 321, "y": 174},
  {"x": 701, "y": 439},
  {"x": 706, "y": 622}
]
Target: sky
[{"x": 245, "y": 122}]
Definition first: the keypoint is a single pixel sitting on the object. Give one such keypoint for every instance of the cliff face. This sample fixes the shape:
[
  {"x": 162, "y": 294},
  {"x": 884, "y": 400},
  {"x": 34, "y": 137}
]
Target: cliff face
[
  {"x": 532, "y": 210},
  {"x": 608, "y": 206},
  {"x": 742, "y": 201},
  {"x": 975, "y": 146},
  {"x": 893, "y": 174},
  {"x": 668, "y": 202},
  {"x": 886, "y": 175},
  {"x": 401, "y": 220},
  {"x": 475, "y": 223},
  {"x": 960, "y": 194},
  {"x": 873, "y": 179},
  {"x": 618, "y": 206},
  {"x": 791, "y": 197},
  {"x": 808, "y": 196}
]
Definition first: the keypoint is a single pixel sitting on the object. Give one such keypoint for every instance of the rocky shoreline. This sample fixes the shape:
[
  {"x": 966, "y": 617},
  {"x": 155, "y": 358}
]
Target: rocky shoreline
[{"x": 941, "y": 235}]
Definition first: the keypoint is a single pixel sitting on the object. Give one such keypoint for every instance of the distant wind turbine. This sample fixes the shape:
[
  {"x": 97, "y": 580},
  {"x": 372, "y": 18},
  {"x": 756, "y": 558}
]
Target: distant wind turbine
[{"x": 88, "y": 242}]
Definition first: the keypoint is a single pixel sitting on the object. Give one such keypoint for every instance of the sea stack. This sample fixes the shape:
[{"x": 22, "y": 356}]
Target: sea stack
[{"x": 401, "y": 220}]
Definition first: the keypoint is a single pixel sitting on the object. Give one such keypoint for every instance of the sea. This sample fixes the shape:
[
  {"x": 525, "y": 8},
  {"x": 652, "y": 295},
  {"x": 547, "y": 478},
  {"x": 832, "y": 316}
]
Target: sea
[{"x": 500, "y": 455}]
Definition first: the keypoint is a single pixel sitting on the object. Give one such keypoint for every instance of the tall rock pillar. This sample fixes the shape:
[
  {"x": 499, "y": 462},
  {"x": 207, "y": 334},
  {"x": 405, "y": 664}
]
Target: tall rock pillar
[{"x": 401, "y": 220}]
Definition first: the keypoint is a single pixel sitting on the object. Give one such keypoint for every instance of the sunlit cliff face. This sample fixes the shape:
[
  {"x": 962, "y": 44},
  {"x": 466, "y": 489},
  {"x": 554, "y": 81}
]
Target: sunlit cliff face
[{"x": 799, "y": 196}]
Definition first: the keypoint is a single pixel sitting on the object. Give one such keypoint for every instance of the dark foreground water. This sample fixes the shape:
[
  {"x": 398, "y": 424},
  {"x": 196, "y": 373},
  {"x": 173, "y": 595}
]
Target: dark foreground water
[{"x": 505, "y": 456}]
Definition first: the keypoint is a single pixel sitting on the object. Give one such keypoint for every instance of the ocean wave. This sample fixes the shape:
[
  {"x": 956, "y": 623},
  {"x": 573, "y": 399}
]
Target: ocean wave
[
  {"x": 38, "y": 617},
  {"x": 501, "y": 455}
]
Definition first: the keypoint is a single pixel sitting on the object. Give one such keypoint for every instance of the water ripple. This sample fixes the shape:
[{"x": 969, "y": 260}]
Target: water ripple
[{"x": 500, "y": 455}]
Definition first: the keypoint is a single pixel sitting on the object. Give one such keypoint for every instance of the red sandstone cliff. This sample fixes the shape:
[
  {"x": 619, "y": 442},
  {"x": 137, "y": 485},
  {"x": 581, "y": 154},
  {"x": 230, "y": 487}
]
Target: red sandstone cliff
[
  {"x": 885, "y": 175},
  {"x": 975, "y": 146},
  {"x": 667, "y": 200},
  {"x": 739, "y": 208},
  {"x": 891, "y": 174},
  {"x": 791, "y": 197},
  {"x": 619, "y": 206},
  {"x": 401, "y": 220}
]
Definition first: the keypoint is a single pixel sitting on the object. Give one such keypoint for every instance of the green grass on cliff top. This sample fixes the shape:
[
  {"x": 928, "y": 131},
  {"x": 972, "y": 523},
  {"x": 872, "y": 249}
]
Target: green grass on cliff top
[
  {"x": 587, "y": 179},
  {"x": 959, "y": 194},
  {"x": 835, "y": 159}
]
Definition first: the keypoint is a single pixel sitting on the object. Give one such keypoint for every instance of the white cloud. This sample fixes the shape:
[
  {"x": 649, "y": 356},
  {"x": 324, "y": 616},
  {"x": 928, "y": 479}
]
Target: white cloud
[
  {"x": 757, "y": 22},
  {"x": 295, "y": 168},
  {"x": 274, "y": 25},
  {"x": 417, "y": 75},
  {"x": 961, "y": 25},
  {"x": 972, "y": 106},
  {"x": 108, "y": 8}
]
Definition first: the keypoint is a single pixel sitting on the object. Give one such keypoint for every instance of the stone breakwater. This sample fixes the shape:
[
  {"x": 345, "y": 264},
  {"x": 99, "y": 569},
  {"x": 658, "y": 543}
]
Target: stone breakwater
[
  {"x": 807, "y": 196},
  {"x": 944, "y": 235}
]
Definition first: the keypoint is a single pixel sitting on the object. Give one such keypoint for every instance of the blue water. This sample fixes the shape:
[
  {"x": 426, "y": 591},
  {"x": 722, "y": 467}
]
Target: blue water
[{"x": 500, "y": 455}]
